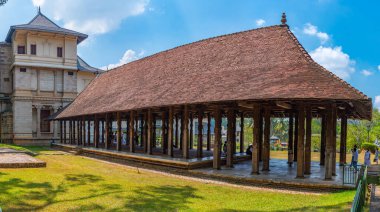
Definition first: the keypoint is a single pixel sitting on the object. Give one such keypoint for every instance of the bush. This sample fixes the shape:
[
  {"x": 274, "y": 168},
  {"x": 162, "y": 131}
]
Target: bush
[{"x": 372, "y": 147}]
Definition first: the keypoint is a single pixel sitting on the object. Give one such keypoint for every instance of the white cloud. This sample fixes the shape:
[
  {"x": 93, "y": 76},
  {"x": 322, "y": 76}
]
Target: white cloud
[
  {"x": 312, "y": 30},
  {"x": 92, "y": 17},
  {"x": 335, "y": 60},
  {"x": 37, "y": 3},
  {"x": 128, "y": 56},
  {"x": 366, "y": 73},
  {"x": 378, "y": 67},
  {"x": 260, "y": 22},
  {"x": 377, "y": 102}
]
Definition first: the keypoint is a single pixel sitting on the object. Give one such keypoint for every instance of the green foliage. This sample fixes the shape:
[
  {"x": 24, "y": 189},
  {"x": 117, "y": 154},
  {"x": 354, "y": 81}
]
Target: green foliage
[{"x": 370, "y": 146}]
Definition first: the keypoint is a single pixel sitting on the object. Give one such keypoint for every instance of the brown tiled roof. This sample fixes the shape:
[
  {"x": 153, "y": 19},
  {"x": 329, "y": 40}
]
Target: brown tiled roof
[{"x": 261, "y": 64}]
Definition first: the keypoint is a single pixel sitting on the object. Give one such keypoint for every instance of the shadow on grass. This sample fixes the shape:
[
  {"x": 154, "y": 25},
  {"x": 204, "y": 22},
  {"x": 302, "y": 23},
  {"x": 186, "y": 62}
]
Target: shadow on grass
[
  {"x": 19, "y": 195},
  {"x": 161, "y": 198}
]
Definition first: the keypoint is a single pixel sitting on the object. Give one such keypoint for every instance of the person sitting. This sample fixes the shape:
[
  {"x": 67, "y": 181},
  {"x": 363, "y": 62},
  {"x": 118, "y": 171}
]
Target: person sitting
[{"x": 249, "y": 150}]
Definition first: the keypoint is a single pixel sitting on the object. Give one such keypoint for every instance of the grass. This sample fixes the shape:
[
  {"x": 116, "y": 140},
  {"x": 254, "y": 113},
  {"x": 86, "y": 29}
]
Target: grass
[{"x": 77, "y": 183}]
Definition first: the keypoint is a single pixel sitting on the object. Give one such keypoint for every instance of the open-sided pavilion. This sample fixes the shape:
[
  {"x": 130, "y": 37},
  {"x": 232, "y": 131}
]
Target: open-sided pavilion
[{"x": 260, "y": 74}]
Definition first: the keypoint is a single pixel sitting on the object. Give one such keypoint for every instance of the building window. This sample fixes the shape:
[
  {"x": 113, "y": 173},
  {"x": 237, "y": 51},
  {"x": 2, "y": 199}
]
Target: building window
[
  {"x": 33, "y": 49},
  {"x": 70, "y": 73},
  {"x": 59, "y": 51},
  {"x": 44, "y": 123},
  {"x": 20, "y": 49},
  {"x": 6, "y": 79},
  {"x": 22, "y": 69}
]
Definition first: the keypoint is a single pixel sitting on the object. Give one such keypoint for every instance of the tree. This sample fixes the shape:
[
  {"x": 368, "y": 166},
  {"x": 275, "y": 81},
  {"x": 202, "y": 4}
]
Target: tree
[{"x": 2, "y": 2}]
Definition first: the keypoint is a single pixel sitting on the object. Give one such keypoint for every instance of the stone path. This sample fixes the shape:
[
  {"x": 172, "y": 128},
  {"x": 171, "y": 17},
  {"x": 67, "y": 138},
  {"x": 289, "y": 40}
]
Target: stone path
[
  {"x": 375, "y": 199},
  {"x": 10, "y": 158}
]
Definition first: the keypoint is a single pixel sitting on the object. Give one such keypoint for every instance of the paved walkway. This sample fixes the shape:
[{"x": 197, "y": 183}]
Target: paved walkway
[
  {"x": 10, "y": 158},
  {"x": 375, "y": 199}
]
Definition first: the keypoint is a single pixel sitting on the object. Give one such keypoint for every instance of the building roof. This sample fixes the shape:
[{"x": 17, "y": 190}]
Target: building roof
[
  {"x": 83, "y": 66},
  {"x": 261, "y": 64},
  {"x": 43, "y": 24}
]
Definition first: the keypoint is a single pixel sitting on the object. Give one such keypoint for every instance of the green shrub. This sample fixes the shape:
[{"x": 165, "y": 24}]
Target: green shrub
[{"x": 372, "y": 147}]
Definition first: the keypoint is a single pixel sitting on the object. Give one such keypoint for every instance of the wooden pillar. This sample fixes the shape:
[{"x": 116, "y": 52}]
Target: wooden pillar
[
  {"x": 103, "y": 137},
  {"x": 230, "y": 137},
  {"x": 154, "y": 131},
  {"x": 64, "y": 132},
  {"x": 200, "y": 134},
  {"x": 295, "y": 142},
  {"x": 150, "y": 132},
  {"x": 88, "y": 132},
  {"x": 266, "y": 145},
  {"x": 261, "y": 133},
  {"x": 308, "y": 141},
  {"x": 329, "y": 163},
  {"x": 181, "y": 132},
  {"x": 70, "y": 132},
  {"x": 242, "y": 132},
  {"x": 108, "y": 133},
  {"x": 118, "y": 121},
  {"x": 185, "y": 132},
  {"x": 208, "y": 145},
  {"x": 163, "y": 133},
  {"x": 96, "y": 131},
  {"x": 218, "y": 138},
  {"x": 256, "y": 139},
  {"x": 141, "y": 130},
  {"x": 136, "y": 136},
  {"x": 78, "y": 132},
  {"x": 323, "y": 140},
  {"x": 61, "y": 131},
  {"x": 176, "y": 131},
  {"x": 127, "y": 131},
  {"x": 290, "y": 139},
  {"x": 132, "y": 131},
  {"x": 145, "y": 134},
  {"x": 300, "y": 143},
  {"x": 334, "y": 139},
  {"x": 343, "y": 140},
  {"x": 191, "y": 134},
  {"x": 83, "y": 131},
  {"x": 170, "y": 132}
]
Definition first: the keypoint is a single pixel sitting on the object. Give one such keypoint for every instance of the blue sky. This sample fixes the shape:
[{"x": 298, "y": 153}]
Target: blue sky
[{"x": 342, "y": 35}]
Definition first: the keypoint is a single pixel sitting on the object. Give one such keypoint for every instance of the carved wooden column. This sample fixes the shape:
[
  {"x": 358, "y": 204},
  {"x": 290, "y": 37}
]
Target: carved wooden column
[
  {"x": 38, "y": 109},
  {"x": 71, "y": 131},
  {"x": 170, "y": 132},
  {"x": 127, "y": 130},
  {"x": 329, "y": 163},
  {"x": 79, "y": 126},
  {"x": 200, "y": 134},
  {"x": 261, "y": 134},
  {"x": 163, "y": 133},
  {"x": 107, "y": 144},
  {"x": 185, "y": 132},
  {"x": 266, "y": 145},
  {"x": 141, "y": 130},
  {"x": 154, "y": 131},
  {"x": 308, "y": 140},
  {"x": 96, "y": 131},
  {"x": 88, "y": 131},
  {"x": 323, "y": 140},
  {"x": 241, "y": 132},
  {"x": 343, "y": 140},
  {"x": 290, "y": 139},
  {"x": 295, "y": 142},
  {"x": 145, "y": 134},
  {"x": 218, "y": 138},
  {"x": 150, "y": 132},
  {"x": 181, "y": 132},
  {"x": 300, "y": 143},
  {"x": 64, "y": 132},
  {"x": 61, "y": 131},
  {"x": 103, "y": 129},
  {"x": 83, "y": 131},
  {"x": 334, "y": 139},
  {"x": 118, "y": 120},
  {"x": 191, "y": 134},
  {"x": 230, "y": 137},
  {"x": 132, "y": 131},
  {"x": 208, "y": 145},
  {"x": 256, "y": 139},
  {"x": 176, "y": 131}
]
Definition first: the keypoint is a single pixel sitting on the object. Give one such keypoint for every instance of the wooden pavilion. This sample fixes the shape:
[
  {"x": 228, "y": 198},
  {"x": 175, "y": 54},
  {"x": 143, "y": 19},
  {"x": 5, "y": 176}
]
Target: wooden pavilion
[{"x": 259, "y": 74}]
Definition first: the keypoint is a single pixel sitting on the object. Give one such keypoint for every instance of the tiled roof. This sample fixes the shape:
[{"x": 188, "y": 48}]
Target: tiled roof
[
  {"x": 43, "y": 24},
  {"x": 83, "y": 66},
  {"x": 262, "y": 64}
]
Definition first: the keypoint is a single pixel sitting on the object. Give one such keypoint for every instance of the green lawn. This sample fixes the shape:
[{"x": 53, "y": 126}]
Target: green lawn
[{"x": 76, "y": 183}]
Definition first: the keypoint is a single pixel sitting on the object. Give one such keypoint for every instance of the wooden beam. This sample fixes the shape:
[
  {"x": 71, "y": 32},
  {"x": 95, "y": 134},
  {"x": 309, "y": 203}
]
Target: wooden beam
[
  {"x": 301, "y": 140},
  {"x": 329, "y": 143},
  {"x": 266, "y": 144},
  {"x": 191, "y": 134},
  {"x": 176, "y": 131},
  {"x": 150, "y": 132},
  {"x": 96, "y": 131},
  {"x": 290, "y": 139},
  {"x": 218, "y": 138},
  {"x": 83, "y": 131},
  {"x": 308, "y": 141},
  {"x": 164, "y": 139},
  {"x": 230, "y": 137},
  {"x": 323, "y": 140},
  {"x": 145, "y": 134},
  {"x": 334, "y": 114},
  {"x": 208, "y": 145},
  {"x": 256, "y": 139},
  {"x": 119, "y": 132},
  {"x": 170, "y": 132},
  {"x": 108, "y": 133},
  {"x": 88, "y": 132},
  {"x": 343, "y": 140},
  {"x": 295, "y": 143},
  {"x": 261, "y": 134}
]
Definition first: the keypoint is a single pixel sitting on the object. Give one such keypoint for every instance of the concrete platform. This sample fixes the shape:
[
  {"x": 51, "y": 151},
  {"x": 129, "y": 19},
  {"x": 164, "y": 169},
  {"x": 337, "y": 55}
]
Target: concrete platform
[
  {"x": 10, "y": 158},
  {"x": 280, "y": 174},
  {"x": 156, "y": 159}
]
